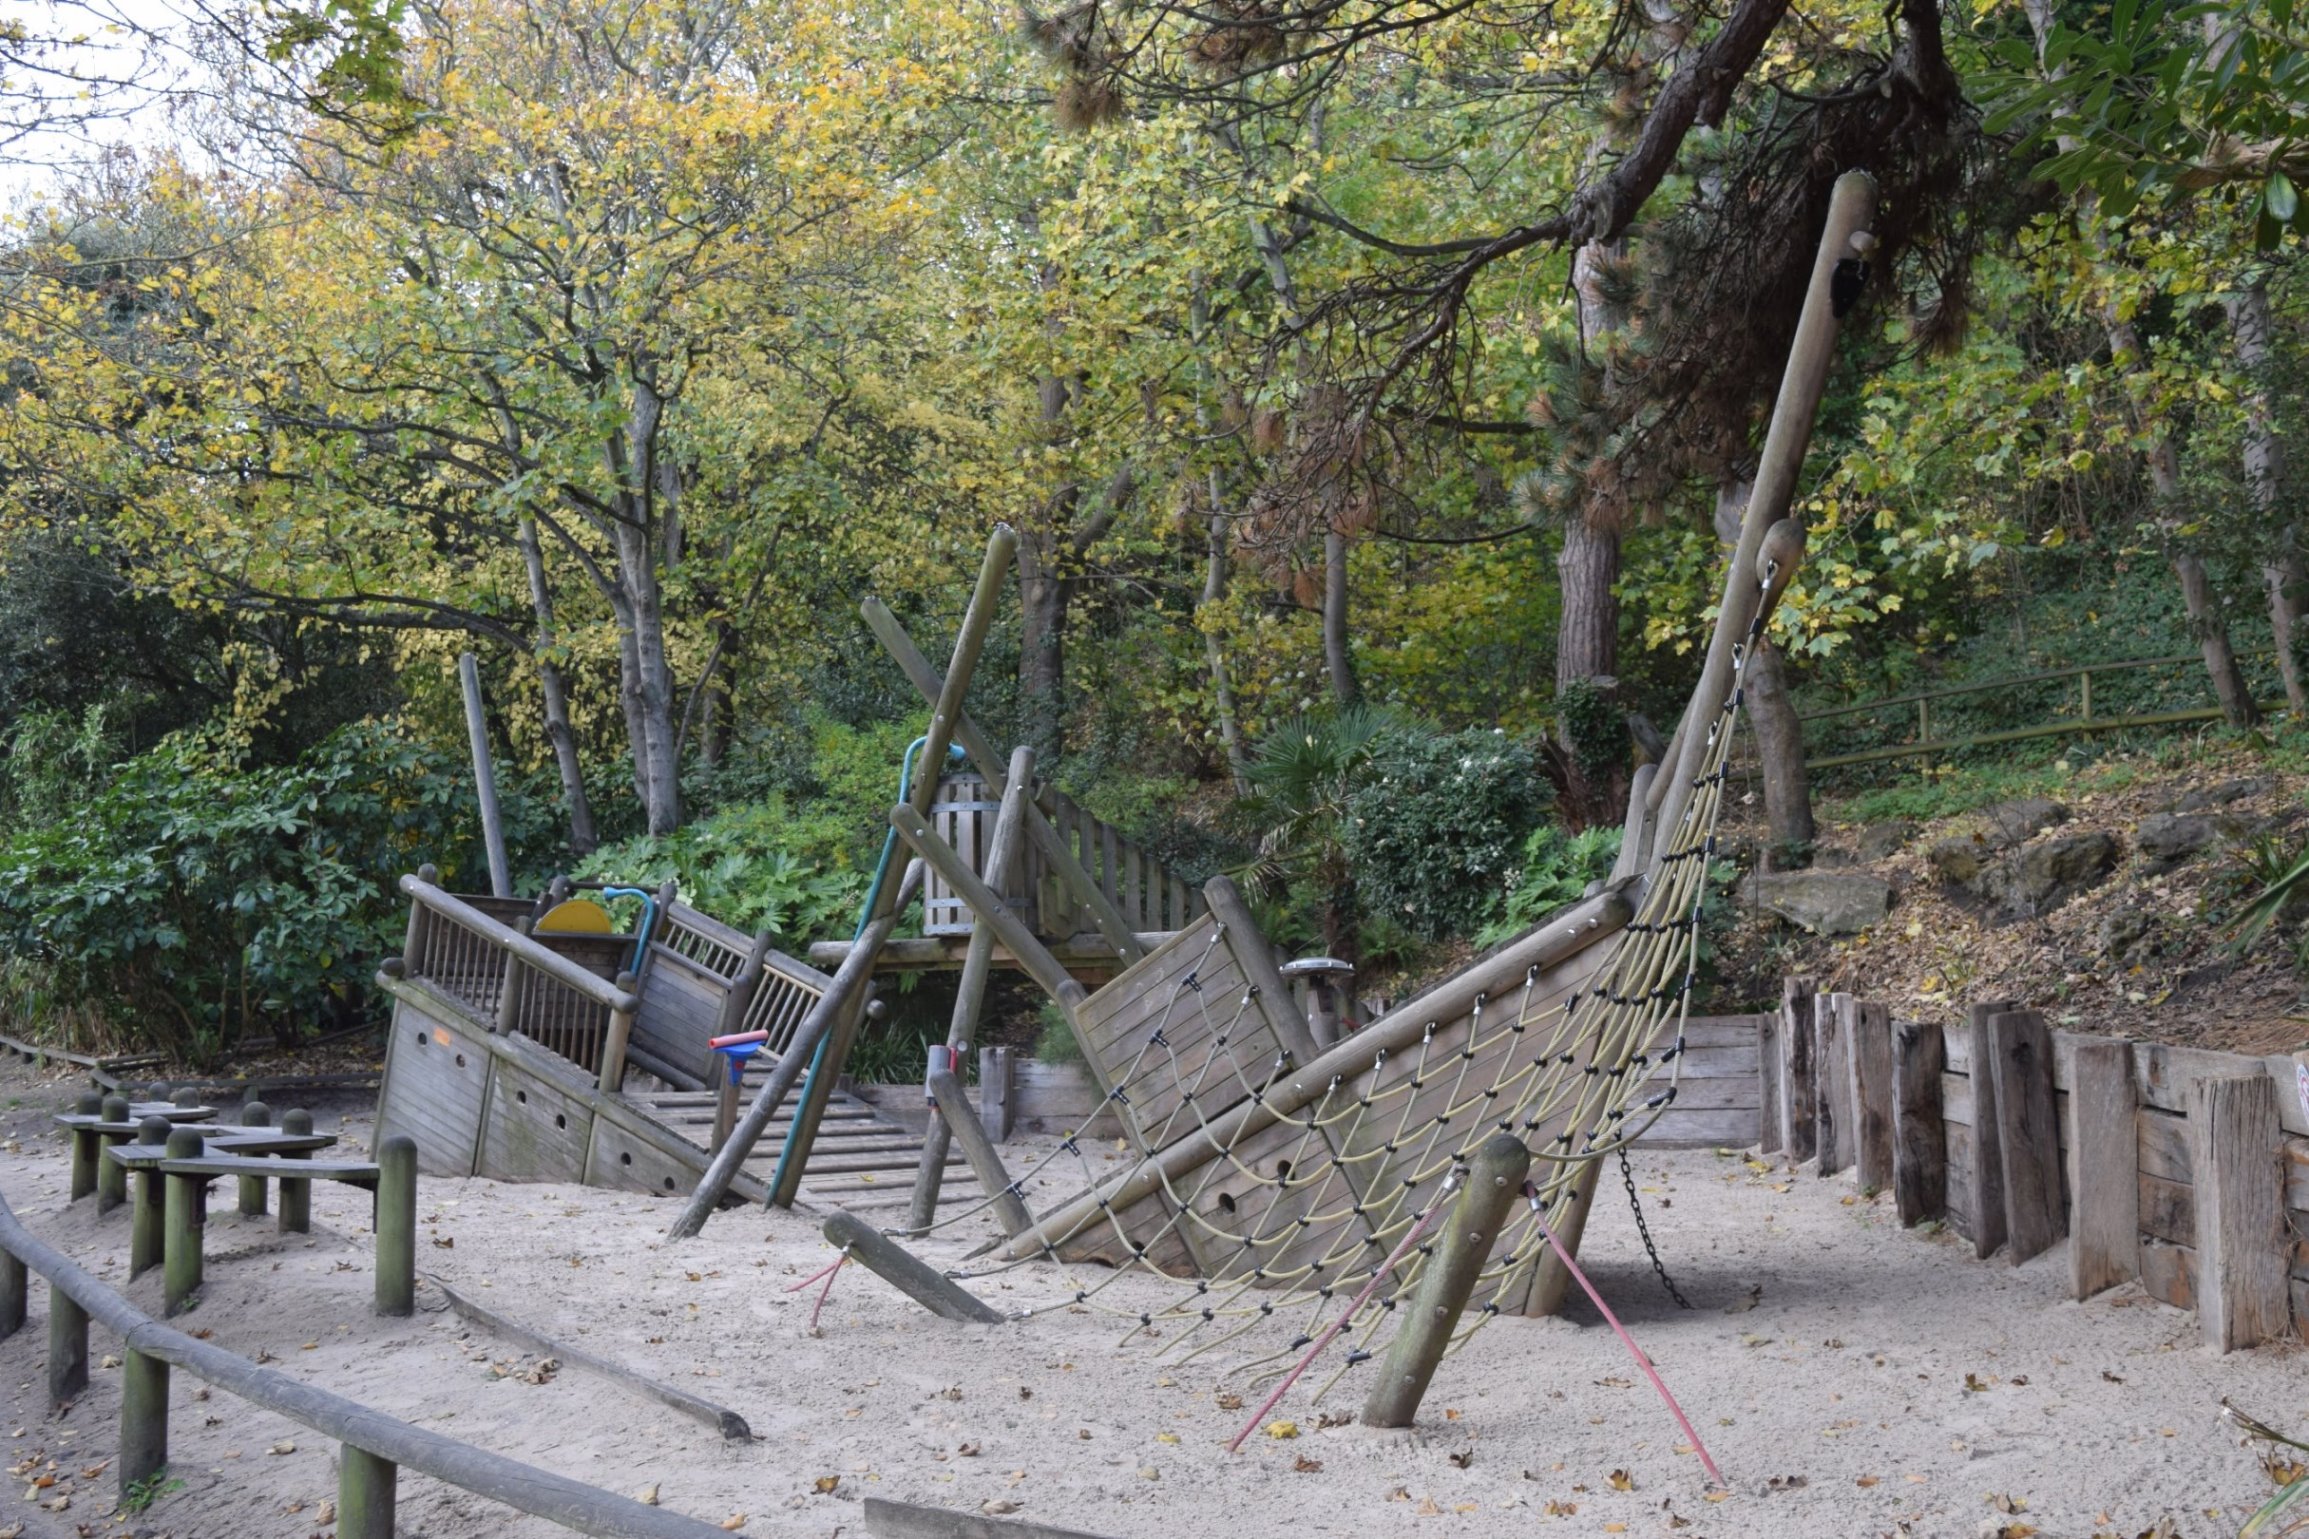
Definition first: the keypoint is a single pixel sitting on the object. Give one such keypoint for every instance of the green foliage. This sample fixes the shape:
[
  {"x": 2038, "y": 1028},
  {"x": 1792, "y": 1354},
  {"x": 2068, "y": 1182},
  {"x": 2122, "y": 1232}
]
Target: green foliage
[
  {"x": 1304, "y": 778},
  {"x": 1556, "y": 870},
  {"x": 762, "y": 866},
  {"x": 196, "y": 900},
  {"x": 141, "y": 1494},
  {"x": 1433, "y": 826},
  {"x": 1054, "y": 1042}
]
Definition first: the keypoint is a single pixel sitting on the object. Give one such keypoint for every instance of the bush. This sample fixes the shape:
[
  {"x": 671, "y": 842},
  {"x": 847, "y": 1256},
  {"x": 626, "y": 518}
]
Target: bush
[
  {"x": 1434, "y": 824},
  {"x": 757, "y": 867},
  {"x": 1555, "y": 872},
  {"x": 193, "y": 901}
]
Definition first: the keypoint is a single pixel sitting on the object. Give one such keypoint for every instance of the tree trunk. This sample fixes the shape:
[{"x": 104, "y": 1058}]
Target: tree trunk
[
  {"x": 1222, "y": 687},
  {"x": 1043, "y": 602},
  {"x": 1587, "y": 635},
  {"x": 1336, "y": 655},
  {"x": 652, "y": 708},
  {"x": 2212, "y": 633},
  {"x": 1590, "y": 766},
  {"x": 558, "y": 732},
  {"x": 1779, "y": 735},
  {"x": 2284, "y": 574},
  {"x": 2288, "y": 580}
]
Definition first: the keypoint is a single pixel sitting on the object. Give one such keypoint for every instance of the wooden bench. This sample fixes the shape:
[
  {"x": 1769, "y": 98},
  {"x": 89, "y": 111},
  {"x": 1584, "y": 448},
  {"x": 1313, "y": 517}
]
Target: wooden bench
[
  {"x": 186, "y": 1166},
  {"x": 113, "y": 1119}
]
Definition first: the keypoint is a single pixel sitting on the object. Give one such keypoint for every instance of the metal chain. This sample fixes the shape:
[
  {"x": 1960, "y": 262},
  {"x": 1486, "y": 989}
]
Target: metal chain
[{"x": 1636, "y": 1206}]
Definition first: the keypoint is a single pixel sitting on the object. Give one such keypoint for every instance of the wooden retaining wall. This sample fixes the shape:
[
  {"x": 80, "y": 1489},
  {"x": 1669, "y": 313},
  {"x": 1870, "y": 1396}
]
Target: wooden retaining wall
[{"x": 2182, "y": 1169}]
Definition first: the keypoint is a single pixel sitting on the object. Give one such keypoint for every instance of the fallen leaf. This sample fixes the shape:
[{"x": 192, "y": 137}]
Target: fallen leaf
[
  {"x": 2004, "y": 1503},
  {"x": 1865, "y": 1481},
  {"x": 1228, "y": 1402},
  {"x": 1450, "y": 1415},
  {"x": 325, "y": 1513},
  {"x": 1306, "y": 1466},
  {"x": 446, "y": 1241},
  {"x": 1746, "y": 1301},
  {"x": 647, "y": 1495},
  {"x": 1463, "y": 1458},
  {"x": 1621, "y": 1480},
  {"x": 282, "y": 1447},
  {"x": 1399, "y": 1494},
  {"x": 734, "y": 1522},
  {"x": 996, "y": 1506},
  {"x": 825, "y": 1484},
  {"x": 967, "y": 1451},
  {"x": 1972, "y": 1382},
  {"x": 1282, "y": 1429},
  {"x": 1560, "y": 1509},
  {"x": 1615, "y": 1528}
]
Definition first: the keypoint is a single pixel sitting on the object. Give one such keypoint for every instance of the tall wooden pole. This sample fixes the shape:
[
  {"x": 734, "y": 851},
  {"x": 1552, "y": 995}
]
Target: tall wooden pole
[{"x": 484, "y": 777}]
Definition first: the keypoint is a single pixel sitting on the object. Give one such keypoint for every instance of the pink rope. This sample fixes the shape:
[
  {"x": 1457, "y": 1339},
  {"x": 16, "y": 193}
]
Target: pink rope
[
  {"x": 835, "y": 1266},
  {"x": 1339, "y": 1324},
  {"x": 829, "y": 1274},
  {"x": 1637, "y": 1352}
]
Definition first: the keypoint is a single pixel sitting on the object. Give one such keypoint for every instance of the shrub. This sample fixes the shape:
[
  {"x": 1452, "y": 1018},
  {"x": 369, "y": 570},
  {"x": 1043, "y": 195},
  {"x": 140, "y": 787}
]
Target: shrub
[
  {"x": 755, "y": 867},
  {"x": 1554, "y": 873},
  {"x": 1434, "y": 823}
]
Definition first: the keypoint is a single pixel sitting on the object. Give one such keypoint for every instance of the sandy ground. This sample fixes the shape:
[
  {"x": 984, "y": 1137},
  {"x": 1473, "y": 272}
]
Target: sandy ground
[{"x": 1881, "y": 1383}]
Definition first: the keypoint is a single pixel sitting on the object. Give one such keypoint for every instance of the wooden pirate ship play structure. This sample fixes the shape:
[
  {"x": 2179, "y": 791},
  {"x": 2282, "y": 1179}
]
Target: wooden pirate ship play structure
[{"x": 1275, "y": 1164}]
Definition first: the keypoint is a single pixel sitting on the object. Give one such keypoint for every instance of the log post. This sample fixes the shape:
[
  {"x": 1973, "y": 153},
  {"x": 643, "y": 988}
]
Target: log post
[
  {"x": 484, "y": 777},
  {"x": 1832, "y": 1110},
  {"x": 1551, "y": 1279},
  {"x": 1919, "y": 1135},
  {"x": 922, "y": 1283},
  {"x": 186, "y": 1096},
  {"x": 2104, "y": 1241},
  {"x": 111, "y": 1175},
  {"x": 2235, "y": 1145},
  {"x": 84, "y": 1149},
  {"x": 997, "y": 1093},
  {"x": 182, "y": 1200},
  {"x": 143, "y": 1420},
  {"x": 15, "y": 1284},
  {"x": 296, "y": 1196},
  {"x": 2020, "y": 1067},
  {"x": 1871, "y": 1074},
  {"x": 1987, "y": 1195},
  {"x": 366, "y": 1494},
  {"x": 1799, "y": 1092},
  {"x": 397, "y": 1225},
  {"x": 620, "y": 1035},
  {"x": 1494, "y": 1178},
  {"x": 953, "y": 1109},
  {"x": 256, "y": 1114},
  {"x": 147, "y": 1233},
  {"x": 1770, "y": 1135},
  {"x": 729, "y": 1074},
  {"x": 67, "y": 1347}
]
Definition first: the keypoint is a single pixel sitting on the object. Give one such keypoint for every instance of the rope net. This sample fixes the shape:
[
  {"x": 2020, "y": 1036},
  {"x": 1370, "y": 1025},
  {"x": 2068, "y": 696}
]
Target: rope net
[{"x": 1298, "y": 1210}]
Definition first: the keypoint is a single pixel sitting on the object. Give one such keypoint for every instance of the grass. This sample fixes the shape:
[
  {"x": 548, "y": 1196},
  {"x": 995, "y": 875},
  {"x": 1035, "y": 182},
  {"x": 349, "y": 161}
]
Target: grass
[{"x": 141, "y": 1494}]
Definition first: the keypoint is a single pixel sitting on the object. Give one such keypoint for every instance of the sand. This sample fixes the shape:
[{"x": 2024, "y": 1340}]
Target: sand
[{"x": 1882, "y": 1382}]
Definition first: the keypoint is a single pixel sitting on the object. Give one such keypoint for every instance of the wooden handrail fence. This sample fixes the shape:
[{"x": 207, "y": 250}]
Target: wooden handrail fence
[
  {"x": 2084, "y": 721},
  {"x": 375, "y": 1446}
]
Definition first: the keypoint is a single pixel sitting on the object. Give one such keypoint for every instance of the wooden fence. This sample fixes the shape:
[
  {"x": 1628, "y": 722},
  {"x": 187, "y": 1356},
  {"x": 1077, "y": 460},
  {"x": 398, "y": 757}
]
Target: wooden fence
[{"x": 2179, "y": 1168}]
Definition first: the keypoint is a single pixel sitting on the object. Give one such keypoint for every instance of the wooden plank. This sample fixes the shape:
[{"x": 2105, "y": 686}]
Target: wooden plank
[
  {"x": 1680, "y": 1127},
  {"x": 2296, "y": 1171},
  {"x": 1871, "y": 1074},
  {"x": 1771, "y": 1135},
  {"x": 1832, "y": 1109},
  {"x": 2104, "y": 1247},
  {"x": 1919, "y": 1136},
  {"x": 2027, "y": 1133},
  {"x": 2169, "y": 1273},
  {"x": 1956, "y": 1098},
  {"x": 619, "y": 1158},
  {"x": 1985, "y": 1201},
  {"x": 439, "y": 1080},
  {"x": 1798, "y": 1121},
  {"x": 2164, "y": 1210},
  {"x": 2242, "y": 1295},
  {"x": 2164, "y": 1144},
  {"x": 536, "y": 1132}
]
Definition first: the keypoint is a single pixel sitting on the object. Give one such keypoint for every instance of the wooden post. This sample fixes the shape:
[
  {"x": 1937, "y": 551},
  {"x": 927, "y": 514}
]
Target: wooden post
[
  {"x": 180, "y": 1264},
  {"x": 1832, "y": 1110},
  {"x": 366, "y": 1492},
  {"x": 84, "y": 1148},
  {"x": 997, "y": 1094},
  {"x": 1799, "y": 1085},
  {"x": 2020, "y": 1064},
  {"x": 397, "y": 1225},
  {"x": 147, "y": 1235},
  {"x": 67, "y": 1347},
  {"x": 143, "y": 1420},
  {"x": 296, "y": 1196},
  {"x": 620, "y": 1034},
  {"x": 15, "y": 1285},
  {"x": 925, "y": 1285},
  {"x": 1987, "y": 1195},
  {"x": 729, "y": 1075},
  {"x": 256, "y": 1114},
  {"x": 187, "y": 1096},
  {"x": 484, "y": 777},
  {"x": 1256, "y": 958},
  {"x": 1872, "y": 1092},
  {"x": 1919, "y": 1135},
  {"x": 111, "y": 1175},
  {"x": 970, "y": 992},
  {"x": 1771, "y": 1137},
  {"x": 2234, "y": 1145},
  {"x": 1494, "y": 1179},
  {"x": 953, "y": 1109},
  {"x": 2104, "y": 1241}
]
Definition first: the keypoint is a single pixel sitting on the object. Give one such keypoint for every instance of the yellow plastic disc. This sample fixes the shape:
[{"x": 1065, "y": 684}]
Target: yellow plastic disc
[{"x": 579, "y": 916}]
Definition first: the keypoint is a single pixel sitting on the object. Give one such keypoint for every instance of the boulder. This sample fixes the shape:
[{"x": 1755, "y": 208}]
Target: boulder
[
  {"x": 2005, "y": 824},
  {"x": 1959, "y": 861},
  {"x": 1881, "y": 841},
  {"x": 2126, "y": 933},
  {"x": 2165, "y": 839},
  {"x": 1824, "y": 902},
  {"x": 2040, "y": 877},
  {"x": 2220, "y": 795}
]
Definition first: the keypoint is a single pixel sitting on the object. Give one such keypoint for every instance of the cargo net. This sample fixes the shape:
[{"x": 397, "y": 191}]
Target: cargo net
[{"x": 1286, "y": 1236}]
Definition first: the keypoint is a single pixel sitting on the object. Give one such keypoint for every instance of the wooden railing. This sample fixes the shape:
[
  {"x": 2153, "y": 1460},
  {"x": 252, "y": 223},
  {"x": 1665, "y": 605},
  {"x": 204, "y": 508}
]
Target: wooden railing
[
  {"x": 519, "y": 983},
  {"x": 2082, "y": 719},
  {"x": 1149, "y": 897},
  {"x": 376, "y": 1446},
  {"x": 729, "y": 982}
]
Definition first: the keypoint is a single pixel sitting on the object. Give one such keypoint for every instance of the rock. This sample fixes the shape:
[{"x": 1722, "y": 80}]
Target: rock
[
  {"x": 2042, "y": 876},
  {"x": 1824, "y": 902},
  {"x": 2165, "y": 839},
  {"x": 1958, "y": 861},
  {"x": 1881, "y": 841},
  {"x": 2220, "y": 795},
  {"x": 2006, "y": 824},
  {"x": 2126, "y": 933}
]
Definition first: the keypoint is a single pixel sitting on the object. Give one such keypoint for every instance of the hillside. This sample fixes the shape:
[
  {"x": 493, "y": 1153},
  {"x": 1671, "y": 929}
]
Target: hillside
[{"x": 2102, "y": 895}]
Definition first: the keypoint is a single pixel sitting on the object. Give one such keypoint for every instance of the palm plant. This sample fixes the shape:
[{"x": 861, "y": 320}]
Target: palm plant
[{"x": 1301, "y": 780}]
